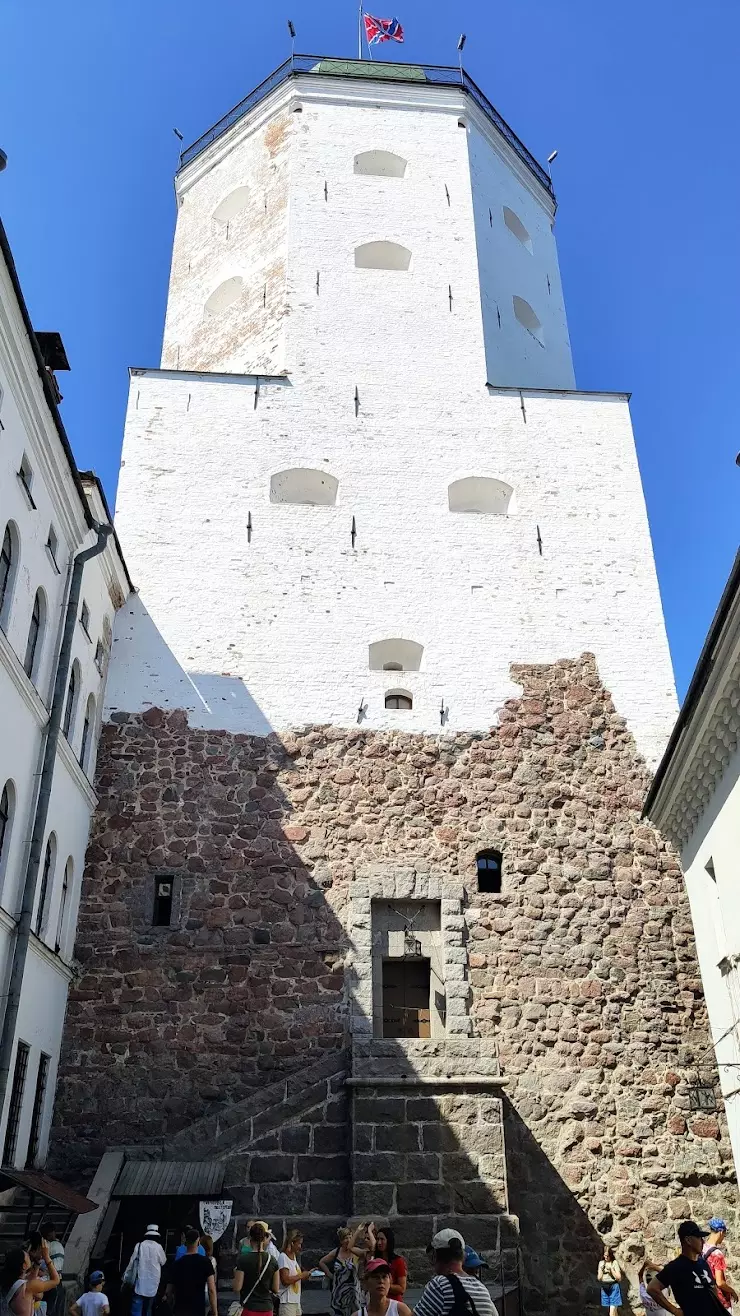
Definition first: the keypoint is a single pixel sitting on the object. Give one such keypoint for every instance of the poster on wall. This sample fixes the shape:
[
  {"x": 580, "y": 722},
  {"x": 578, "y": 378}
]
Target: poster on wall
[{"x": 214, "y": 1217}]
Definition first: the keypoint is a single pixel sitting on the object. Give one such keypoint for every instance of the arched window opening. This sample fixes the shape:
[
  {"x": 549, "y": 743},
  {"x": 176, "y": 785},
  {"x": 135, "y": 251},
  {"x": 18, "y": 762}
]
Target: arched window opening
[
  {"x": 9, "y": 555},
  {"x": 382, "y": 256},
  {"x": 225, "y": 295},
  {"x": 526, "y": 317},
  {"x": 70, "y": 708},
  {"x": 515, "y": 226},
  {"x": 69, "y": 869},
  {"x": 87, "y": 734},
  {"x": 488, "y": 864},
  {"x": 381, "y": 164},
  {"x": 47, "y": 880},
  {"x": 34, "y": 643},
  {"x": 399, "y": 699},
  {"x": 302, "y": 485},
  {"x": 405, "y": 655},
  {"x": 7, "y": 810},
  {"x": 480, "y": 493},
  {"x": 232, "y": 205}
]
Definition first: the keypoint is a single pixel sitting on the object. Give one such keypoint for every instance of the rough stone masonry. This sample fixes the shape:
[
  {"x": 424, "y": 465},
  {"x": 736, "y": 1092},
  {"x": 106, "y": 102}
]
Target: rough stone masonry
[{"x": 580, "y": 979}]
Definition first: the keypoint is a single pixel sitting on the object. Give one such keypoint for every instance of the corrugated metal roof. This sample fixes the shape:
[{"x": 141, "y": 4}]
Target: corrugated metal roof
[{"x": 170, "y": 1179}]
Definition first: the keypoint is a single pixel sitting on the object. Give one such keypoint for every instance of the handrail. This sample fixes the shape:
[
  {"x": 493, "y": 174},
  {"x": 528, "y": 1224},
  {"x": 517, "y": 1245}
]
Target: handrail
[{"x": 432, "y": 74}]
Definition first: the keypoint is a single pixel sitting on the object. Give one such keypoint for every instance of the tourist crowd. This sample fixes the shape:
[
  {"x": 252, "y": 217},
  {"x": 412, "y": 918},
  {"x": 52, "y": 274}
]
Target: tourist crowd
[{"x": 365, "y": 1274}]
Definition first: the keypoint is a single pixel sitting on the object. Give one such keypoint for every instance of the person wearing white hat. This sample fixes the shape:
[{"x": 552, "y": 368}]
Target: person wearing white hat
[
  {"x": 144, "y": 1271},
  {"x": 451, "y": 1292}
]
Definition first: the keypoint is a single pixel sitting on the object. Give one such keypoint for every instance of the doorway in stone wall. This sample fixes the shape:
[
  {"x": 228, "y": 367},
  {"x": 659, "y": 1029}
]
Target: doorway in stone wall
[{"x": 406, "y": 986}]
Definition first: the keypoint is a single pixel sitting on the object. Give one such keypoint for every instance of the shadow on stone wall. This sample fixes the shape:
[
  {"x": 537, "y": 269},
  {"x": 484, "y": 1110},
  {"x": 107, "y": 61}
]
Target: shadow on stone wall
[{"x": 228, "y": 1033}]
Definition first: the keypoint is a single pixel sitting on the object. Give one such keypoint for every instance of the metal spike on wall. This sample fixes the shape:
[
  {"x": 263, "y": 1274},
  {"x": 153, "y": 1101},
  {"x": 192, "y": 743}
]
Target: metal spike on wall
[
  {"x": 447, "y": 193},
  {"x": 188, "y": 403},
  {"x": 353, "y": 532},
  {"x": 318, "y": 277},
  {"x": 256, "y": 391},
  {"x": 548, "y": 283},
  {"x": 357, "y": 400},
  {"x": 326, "y": 190},
  {"x": 490, "y": 218},
  {"x": 524, "y": 409},
  {"x": 539, "y": 541},
  {"x": 249, "y": 527},
  {"x": 449, "y": 293},
  {"x": 264, "y": 295},
  {"x": 498, "y": 313}
]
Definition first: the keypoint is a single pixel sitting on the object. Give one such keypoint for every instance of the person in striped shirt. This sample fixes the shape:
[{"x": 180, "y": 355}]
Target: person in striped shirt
[{"x": 451, "y": 1292}]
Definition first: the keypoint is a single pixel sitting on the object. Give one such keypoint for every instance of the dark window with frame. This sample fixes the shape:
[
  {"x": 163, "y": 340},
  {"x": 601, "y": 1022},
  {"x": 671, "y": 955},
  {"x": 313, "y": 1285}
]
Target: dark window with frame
[
  {"x": 45, "y": 879},
  {"x": 6, "y": 565},
  {"x": 71, "y": 700},
  {"x": 34, "y": 1140},
  {"x": 34, "y": 632},
  {"x": 5, "y": 812},
  {"x": 162, "y": 914},
  {"x": 399, "y": 701},
  {"x": 85, "y": 619},
  {"x": 25, "y": 475},
  {"x": 489, "y": 866},
  {"x": 86, "y": 730},
  {"x": 68, "y": 871},
  {"x": 16, "y": 1103},
  {"x": 100, "y": 656},
  {"x": 52, "y": 545}
]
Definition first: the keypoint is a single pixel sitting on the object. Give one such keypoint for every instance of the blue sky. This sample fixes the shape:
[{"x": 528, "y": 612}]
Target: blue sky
[{"x": 636, "y": 96}]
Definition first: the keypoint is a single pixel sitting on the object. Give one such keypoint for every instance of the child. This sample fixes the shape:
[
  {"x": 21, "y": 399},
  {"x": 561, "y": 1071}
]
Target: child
[{"x": 94, "y": 1301}]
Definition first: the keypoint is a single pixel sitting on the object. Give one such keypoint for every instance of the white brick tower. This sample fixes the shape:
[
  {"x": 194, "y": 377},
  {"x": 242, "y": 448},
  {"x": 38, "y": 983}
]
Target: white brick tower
[{"x": 362, "y": 484}]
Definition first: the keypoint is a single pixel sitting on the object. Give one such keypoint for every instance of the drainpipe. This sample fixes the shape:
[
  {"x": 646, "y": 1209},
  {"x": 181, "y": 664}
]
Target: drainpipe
[{"x": 53, "y": 726}]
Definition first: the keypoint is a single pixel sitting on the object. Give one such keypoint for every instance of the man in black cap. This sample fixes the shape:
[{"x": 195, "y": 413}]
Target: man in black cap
[{"x": 689, "y": 1277}]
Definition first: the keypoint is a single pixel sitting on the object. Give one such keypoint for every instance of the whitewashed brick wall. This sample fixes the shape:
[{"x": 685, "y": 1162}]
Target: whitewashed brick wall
[{"x": 274, "y": 633}]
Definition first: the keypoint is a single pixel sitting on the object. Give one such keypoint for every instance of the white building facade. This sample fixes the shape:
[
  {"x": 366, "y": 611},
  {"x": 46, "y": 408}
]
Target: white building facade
[
  {"x": 695, "y": 800},
  {"x": 48, "y": 512},
  {"x": 363, "y": 457}
]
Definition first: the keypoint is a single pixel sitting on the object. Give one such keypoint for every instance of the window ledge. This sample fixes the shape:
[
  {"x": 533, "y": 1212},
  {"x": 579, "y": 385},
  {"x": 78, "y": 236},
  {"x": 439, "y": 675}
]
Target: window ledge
[
  {"x": 69, "y": 758},
  {"x": 25, "y": 687}
]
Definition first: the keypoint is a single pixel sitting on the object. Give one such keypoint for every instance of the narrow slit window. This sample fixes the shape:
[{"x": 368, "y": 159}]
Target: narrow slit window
[
  {"x": 37, "y": 1116},
  {"x": 162, "y": 916},
  {"x": 35, "y": 636},
  {"x": 70, "y": 708},
  {"x": 52, "y": 546},
  {"x": 87, "y": 735},
  {"x": 9, "y": 555},
  {"x": 66, "y": 884},
  {"x": 25, "y": 475},
  {"x": 85, "y": 619},
  {"x": 47, "y": 880},
  {"x": 16, "y": 1103},
  {"x": 489, "y": 868}
]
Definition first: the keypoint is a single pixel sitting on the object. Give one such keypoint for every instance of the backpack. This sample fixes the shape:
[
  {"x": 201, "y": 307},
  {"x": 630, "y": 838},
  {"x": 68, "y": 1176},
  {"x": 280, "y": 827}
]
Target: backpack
[{"x": 462, "y": 1302}]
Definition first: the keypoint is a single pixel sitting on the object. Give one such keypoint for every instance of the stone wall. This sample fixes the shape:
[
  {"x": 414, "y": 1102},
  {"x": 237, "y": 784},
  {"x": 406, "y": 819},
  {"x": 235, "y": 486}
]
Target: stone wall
[{"x": 581, "y": 974}]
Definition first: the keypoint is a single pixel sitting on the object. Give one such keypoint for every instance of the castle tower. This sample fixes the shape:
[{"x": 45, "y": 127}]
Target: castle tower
[{"x": 369, "y": 898}]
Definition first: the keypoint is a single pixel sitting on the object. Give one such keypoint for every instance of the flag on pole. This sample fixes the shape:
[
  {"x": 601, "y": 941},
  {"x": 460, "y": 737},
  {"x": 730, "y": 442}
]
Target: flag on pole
[{"x": 382, "y": 29}]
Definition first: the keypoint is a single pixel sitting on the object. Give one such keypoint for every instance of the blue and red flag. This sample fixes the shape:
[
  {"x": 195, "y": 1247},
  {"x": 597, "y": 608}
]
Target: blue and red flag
[{"x": 382, "y": 29}]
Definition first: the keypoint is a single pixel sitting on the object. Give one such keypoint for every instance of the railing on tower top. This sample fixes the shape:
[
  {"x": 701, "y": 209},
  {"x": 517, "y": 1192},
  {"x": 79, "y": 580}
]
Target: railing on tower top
[{"x": 432, "y": 74}]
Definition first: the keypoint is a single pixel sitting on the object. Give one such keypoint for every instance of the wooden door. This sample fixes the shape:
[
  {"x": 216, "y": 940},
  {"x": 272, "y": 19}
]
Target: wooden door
[{"x": 406, "y": 998}]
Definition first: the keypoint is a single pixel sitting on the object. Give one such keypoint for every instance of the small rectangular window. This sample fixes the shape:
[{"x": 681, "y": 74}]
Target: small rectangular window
[
  {"x": 34, "y": 1141},
  {"x": 100, "y": 656},
  {"x": 25, "y": 475},
  {"x": 162, "y": 916},
  {"x": 85, "y": 619},
  {"x": 16, "y": 1103},
  {"x": 52, "y": 547}
]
